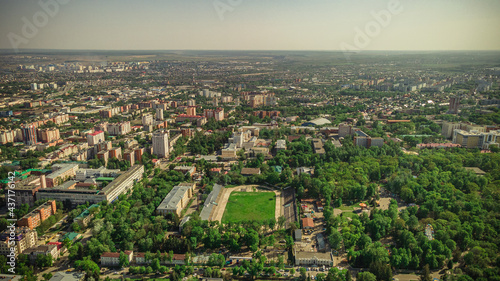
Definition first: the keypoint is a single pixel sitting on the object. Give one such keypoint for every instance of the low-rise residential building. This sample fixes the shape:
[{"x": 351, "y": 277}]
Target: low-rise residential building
[
  {"x": 186, "y": 169},
  {"x": 307, "y": 223},
  {"x": 34, "y": 252},
  {"x": 180, "y": 259},
  {"x": 303, "y": 258},
  {"x": 250, "y": 171},
  {"x": 38, "y": 215},
  {"x": 84, "y": 218},
  {"x": 306, "y": 170},
  {"x": 71, "y": 236},
  {"x": 318, "y": 146},
  {"x": 113, "y": 259},
  {"x": 280, "y": 145}
]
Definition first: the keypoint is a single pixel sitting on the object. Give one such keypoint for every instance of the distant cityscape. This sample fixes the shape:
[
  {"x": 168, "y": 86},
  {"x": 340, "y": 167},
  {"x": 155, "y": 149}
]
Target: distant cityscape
[{"x": 262, "y": 165}]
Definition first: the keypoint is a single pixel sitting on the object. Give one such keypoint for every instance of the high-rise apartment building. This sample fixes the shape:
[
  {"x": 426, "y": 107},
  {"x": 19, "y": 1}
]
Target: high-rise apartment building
[
  {"x": 191, "y": 110},
  {"x": 147, "y": 119},
  {"x": 160, "y": 143},
  {"x": 454, "y": 103},
  {"x": 29, "y": 134},
  {"x": 159, "y": 114},
  {"x": 119, "y": 129},
  {"x": 218, "y": 114},
  {"x": 95, "y": 138},
  {"x": 49, "y": 135}
]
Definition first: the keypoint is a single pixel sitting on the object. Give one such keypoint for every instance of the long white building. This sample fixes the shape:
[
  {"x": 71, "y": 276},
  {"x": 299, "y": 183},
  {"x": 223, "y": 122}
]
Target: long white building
[{"x": 70, "y": 191}]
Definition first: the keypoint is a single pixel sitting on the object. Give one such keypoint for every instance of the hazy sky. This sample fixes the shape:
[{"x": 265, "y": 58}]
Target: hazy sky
[{"x": 251, "y": 24}]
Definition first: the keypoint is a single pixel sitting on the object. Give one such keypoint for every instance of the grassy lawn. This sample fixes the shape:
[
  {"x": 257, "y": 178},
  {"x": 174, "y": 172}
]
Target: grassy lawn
[
  {"x": 243, "y": 206},
  {"x": 346, "y": 208},
  {"x": 349, "y": 214}
]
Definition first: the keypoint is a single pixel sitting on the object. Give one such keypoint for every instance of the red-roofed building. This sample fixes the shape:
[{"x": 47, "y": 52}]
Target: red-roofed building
[
  {"x": 319, "y": 205},
  {"x": 307, "y": 223},
  {"x": 95, "y": 138},
  {"x": 140, "y": 258},
  {"x": 113, "y": 259},
  {"x": 58, "y": 244},
  {"x": 215, "y": 170}
]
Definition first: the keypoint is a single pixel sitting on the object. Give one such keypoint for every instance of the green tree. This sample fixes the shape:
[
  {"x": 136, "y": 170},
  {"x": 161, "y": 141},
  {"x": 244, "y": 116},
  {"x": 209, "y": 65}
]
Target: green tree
[
  {"x": 43, "y": 261},
  {"x": 155, "y": 264},
  {"x": 75, "y": 226},
  {"x": 382, "y": 271},
  {"x": 47, "y": 276},
  {"x": 123, "y": 260},
  {"x": 303, "y": 271},
  {"x": 366, "y": 276},
  {"x": 426, "y": 274},
  {"x": 252, "y": 240},
  {"x": 89, "y": 266},
  {"x": 281, "y": 221},
  {"x": 335, "y": 238}
]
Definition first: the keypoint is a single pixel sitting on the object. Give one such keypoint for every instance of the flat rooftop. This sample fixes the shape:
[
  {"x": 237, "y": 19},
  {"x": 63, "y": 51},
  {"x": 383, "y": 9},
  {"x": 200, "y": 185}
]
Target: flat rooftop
[
  {"x": 208, "y": 206},
  {"x": 63, "y": 168},
  {"x": 174, "y": 197}
]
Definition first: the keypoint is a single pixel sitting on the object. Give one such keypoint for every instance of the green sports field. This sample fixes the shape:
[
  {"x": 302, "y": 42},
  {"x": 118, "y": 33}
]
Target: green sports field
[{"x": 245, "y": 206}]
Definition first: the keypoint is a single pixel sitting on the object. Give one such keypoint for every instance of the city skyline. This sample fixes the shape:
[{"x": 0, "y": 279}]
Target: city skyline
[{"x": 250, "y": 25}]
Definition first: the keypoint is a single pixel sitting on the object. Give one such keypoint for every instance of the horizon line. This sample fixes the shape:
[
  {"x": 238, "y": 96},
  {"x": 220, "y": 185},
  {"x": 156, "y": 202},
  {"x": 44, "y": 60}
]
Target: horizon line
[{"x": 246, "y": 50}]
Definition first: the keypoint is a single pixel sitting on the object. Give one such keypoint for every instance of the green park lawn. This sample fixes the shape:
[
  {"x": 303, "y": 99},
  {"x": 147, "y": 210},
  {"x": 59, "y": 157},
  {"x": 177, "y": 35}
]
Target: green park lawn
[{"x": 245, "y": 206}]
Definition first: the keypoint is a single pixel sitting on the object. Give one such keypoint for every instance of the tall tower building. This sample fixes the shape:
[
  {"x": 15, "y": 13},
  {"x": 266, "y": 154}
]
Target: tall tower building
[
  {"x": 159, "y": 114},
  {"x": 95, "y": 138},
  {"x": 160, "y": 143},
  {"x": 29, "y": 134},
  {"x": 191, "y": 110},
  {"x": 454, "y": 103},
  {"x": 147, "y": 119}
]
